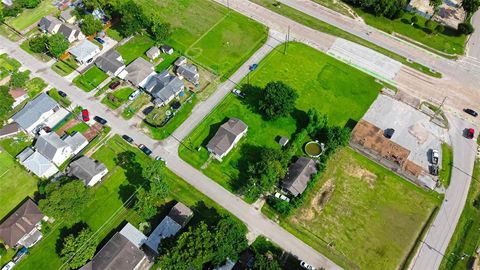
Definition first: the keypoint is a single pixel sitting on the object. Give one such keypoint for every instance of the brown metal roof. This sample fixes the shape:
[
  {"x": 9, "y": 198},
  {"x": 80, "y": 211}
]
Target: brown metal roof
[{"x": 20, "y": 223}]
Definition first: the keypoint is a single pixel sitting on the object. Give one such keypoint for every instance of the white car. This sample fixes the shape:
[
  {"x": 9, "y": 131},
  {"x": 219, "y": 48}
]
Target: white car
[
  {"x": 238, "y": 93},
  {"x": 435, "y": 156},
  {"x": 134, "y": 95},
  {"x": 282, "y": 197},
  {"x": 306, "y": 266},
  {"x": 8, "y": 266}
]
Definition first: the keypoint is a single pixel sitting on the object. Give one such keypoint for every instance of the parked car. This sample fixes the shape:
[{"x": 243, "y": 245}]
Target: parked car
[
  {"x": 433, "y": 170},
  {"x": 238, "y": 93},
  {"x": 160, "y": 158},
  {"x": 176, "y": 105},
  {"x": 306, "y": 265},
  {"x": 20, "y": 254},
  {"x": 281, "y": 197},
  {"x": 388, "y": 133},
  {"x": 85, "y": 115},
  {"x": 148, "y": 110},
  {"x": 62, "y": 94},
  {"x": 134, "y": 95},
  {"x": 145, "y": 149},
  {"x": 100, "y": 120},
  {"x": 101, "y": 41},
  {"x": 435, "y": 156},
  {"x": 114, "y": 85},
  {"x": 253, "y": 67},
  {"x": 470, "y": 133},
  {"x": 471, "y": 112},
  {"x": 127, "y": 138},
  {"x": 8, "y": 266},
  {"x": 47, "y": 129}
]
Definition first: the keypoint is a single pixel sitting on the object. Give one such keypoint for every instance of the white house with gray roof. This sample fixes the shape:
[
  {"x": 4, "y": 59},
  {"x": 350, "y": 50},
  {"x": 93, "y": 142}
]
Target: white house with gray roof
[
  {"x": 164, "y": 87},
  {"x": 36, "y": 163},
  {"x": 183, "y": 69},
  {"x": 70, "y": 32},
  {"x": 84, "y": 51},
  {"x": 111, "y": 63},
  {"x": 67, "y": 16},
  {"x": 139, "y": 72},
  {"x": 153, "y": 52},
  {"x": 49, "y": 24},
  {"x": 88, "y": 170},
  {"x": 53, "y": 148},
  {"x": 36, "y": 112},
  {"x": 226, "y": 137}
]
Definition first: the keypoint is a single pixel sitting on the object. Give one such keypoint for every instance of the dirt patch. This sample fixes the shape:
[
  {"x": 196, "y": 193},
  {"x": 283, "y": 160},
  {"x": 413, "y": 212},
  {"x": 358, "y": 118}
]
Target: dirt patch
[
  {"x": 319, "y": 201},
  {"x": 419, "y": 132},
  {"x": 369, "y": 177},
  {"x": 476, "y": 263},
  {"x": 68, "y": 125}
]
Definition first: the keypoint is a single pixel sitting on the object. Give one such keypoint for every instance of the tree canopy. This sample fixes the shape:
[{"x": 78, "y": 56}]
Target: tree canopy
[
  {"x": 157, "y": 189},
  {"x": 5, "y": 102},
  {"x": 132, "y": 18},
  {"x": 38, "y": 43},
  {"x": 266, "y": 262},
  {"x": 465, "y": 28},
  {"x": 160, "y": 31},
  {"x": 57, "y": 45},
  {"x": 277, "y": 100},
  {"x": 387, "y": 8},
  {"x": 471, "y": 6},
  {"x": 232, "y": 240},
  {"x": 28, "y": 3},
  {"x": 78, "y": 248},
  {"x": 90, "y": 25},
  {"x": 19, "y": 79}
]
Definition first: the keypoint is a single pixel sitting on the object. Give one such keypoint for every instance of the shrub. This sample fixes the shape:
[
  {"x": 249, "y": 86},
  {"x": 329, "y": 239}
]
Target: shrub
[
  {"x": 465, "y": 28},
  {"x": 414, "y": 19}
]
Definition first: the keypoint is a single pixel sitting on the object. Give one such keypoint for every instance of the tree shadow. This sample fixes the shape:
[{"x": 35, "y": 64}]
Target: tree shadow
[
  {"x": 249, "y": 153},
  {"x": 133, "y": 172},
  {"x": 253, "y": 95},
  {"x": 351, "y": 124},
  {"x": 452, "y": 32},
  {"x": 204, "y": 213},
  {"x": 301, "y": 119},
  {"x": 212, "y": 130},
  {"x": 64, "y": 232}
]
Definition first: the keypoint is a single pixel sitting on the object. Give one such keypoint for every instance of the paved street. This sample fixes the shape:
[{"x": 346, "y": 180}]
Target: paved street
[
  {"x": 257, "y": 223},
  {"x": 474, "y": 40}
]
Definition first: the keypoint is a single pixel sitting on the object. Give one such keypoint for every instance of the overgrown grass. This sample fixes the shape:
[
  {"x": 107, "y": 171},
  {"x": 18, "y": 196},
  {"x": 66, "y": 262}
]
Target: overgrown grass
[
  {"x": 90, "y": 79},
  {"x": 65, "y": 67},
  {"x": 447, "y": 162},
  {"x": 31, "y": 16},
  {"x": 135, "y": 106},
  {"x": 135, "y": 47},
  {"x": 35, "y": 86},
  {"x": 120, "y": 97}
]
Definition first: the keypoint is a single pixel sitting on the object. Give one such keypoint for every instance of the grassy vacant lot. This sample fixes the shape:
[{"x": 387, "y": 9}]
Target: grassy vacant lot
[
  {"x": 35, "y": 86},
  {"x": 15, "y": 145},
  {"x": 15, "y": 184},
  {"x": 106, "y": 212},
  {"x": 368, "y": 214},
  {"x": 120, "y": 96},
  {"x": 466, "y": 237},
  {"x": 322, "y": 82},
  {"x": 209, "y": 33},
  {"x": 135, "y": 47},
  {"x": 447, "y": 162},
  {"x": 64, "y": 101},
  {"x": 31, "y": 16},
  {"x": 65, "y": 67},
  {"x": 7, "y": 65},
  {"x": 90, "y": 79}
]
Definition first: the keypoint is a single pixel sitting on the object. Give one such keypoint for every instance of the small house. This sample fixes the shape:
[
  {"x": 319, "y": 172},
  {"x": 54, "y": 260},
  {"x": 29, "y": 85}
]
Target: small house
[
  {"x": 298, "y": 176},
  {"x": 111, "y": 63},
  {"x": 19, "y": 95},
  {"x": 226, "y": 137},
  {"x": 139, "y": 71},
  {"x": 164, "y": 87},
  {"x": 10, "y": 130},
  {"x": 166, "y": 49},
  {"x": 36, "y": 163},
  {"x": 67, "y": 16},
  {"x": 85, "y": 51},
  {"x": 88, "y": 170},
  {"x": 49, "y": 24},
  {"x": 36, "y": 113},
  {"x": 70, "y": 32},
  {"x": 53, "y": 148},
  {"x": 153, "y": 53},
  {"x": 185, "y": 70}
]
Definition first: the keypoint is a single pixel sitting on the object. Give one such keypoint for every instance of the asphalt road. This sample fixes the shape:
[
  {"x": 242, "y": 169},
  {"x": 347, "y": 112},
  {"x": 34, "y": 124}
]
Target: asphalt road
[
  {"x": 256, "y": 222},
  {"x": 474, "y": 41}
]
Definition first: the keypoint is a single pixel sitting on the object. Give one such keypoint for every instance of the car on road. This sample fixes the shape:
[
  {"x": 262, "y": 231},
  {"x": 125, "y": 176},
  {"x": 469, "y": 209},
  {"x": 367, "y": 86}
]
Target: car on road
[
  {"x": 148, "y": 110},
  {"x": 127, "y": 138},
  {"x": 253, "y": 67},
  {"x": 238, "y": 93},
  {"x": 160, "y": 158},
  {"x": 101, "y": 41},
  {"x": 433, "y": 169},
  {"x": 134, "y": 95},
  {"x": 145, "y": 149},
  {"x": 85, "y": 115},
  {"x": 8, "y": 266},
  {"x": 62, "y": 94},
  {"x": 306, "y": 266},
  {"x": 471, "y": 112},
  {"x": 100, "y": 120},
  {"x": 470, "y": 133},
  {"x": 435, "y": 156},
  {"x": 114, "y": 85}
]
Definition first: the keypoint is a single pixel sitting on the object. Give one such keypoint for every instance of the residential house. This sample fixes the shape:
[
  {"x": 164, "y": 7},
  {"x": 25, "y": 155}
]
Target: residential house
[
  {"x": 111, "y": 62},
  {"x": 88, "y": 170},
  {"x": 53, "y": 148},
  {"x": 36, "y": 163},
  {"x": 185, "y": 70},
  {"x": 139, "y": 71},
  {"x": 153, "y": 52},
  {"x": 7, "y": 3},
  {"x": 298, "y": 176},
  {"x": 164, "y": 87},
  {"x": 9, "y": 130},
  {"x": 166, "y": 49},
  {"x": 22, "y": 227},
  {"x": 49, "y": 24},
  {"x": 67, "y": 16},
  {"x": 85, "y": 51},
  {"x": 122, "y": 252},
  {"x": 70, "y": 32},
  {"x": 176, "y": 219},
  {"x": 36, "y": 112},
  {"x": 100, "y": 15},
  {"x": 226, "y": 137},
  {"x": 19, "y": 95},
  {"x": 77, "y": 142}
]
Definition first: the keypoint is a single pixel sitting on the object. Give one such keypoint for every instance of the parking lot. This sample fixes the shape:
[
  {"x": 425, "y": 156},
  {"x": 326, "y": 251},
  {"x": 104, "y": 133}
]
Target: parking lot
[{"x": 413, "y": 129}]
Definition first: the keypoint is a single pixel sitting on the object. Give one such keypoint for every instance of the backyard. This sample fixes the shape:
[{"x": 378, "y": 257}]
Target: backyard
[
  {"x": 369, "y": 216},
  {"x": 31, "y": 16},
  {"x": 135, "y": 47},
  {"x": 90, "y": 79},
  {"x": 116, "y": 99},
  {"x": 332, "y": 87},
  {"x": 65, "y": 67}
]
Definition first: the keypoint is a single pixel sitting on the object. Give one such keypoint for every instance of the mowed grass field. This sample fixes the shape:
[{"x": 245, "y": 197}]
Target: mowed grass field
[
  {"x": 210, "y": 34},
  {"x": 15, "y": 184},
  {"x": 322, "y": 82},
  {"x": 369, "y": 215},
  {"x": 31, "y": 16},
  {"x": 92, "y": 78}
]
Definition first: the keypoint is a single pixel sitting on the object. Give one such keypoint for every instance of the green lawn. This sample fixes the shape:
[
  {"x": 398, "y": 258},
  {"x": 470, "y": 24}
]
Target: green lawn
[
  {"x": 135, "y": 106},
  {"x": 215, "y": 37},
  {"x": 107, "y": 198},
  {"x": 65, "y": 67},
  {"x": 369, "y": 215},
  {"x": 114, "y": 34},
  {"x": 41, "y": 56},
  {"x": 135, "y": 47},
  {"x": 15, "y": 184},
  {"x": 35, "y": 86},
  {"x": 80, "y": 127},
  {"x": 447, "y": 162},
  {"x": 31, "y": 16},
  {"x": 7, "y": 65},
  {"x": 90, "y": 79},
  {"x": 466, "y": 237},
  {"x": 15, "y": 145},
  {"x": 65, "y": 102},
  {"x": 322, "y": 82},
  {"x": 121, "y": 96}
]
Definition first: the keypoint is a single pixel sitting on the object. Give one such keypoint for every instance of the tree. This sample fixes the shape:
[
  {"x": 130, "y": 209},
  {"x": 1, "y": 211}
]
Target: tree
[
  {"x": 94, "y": 4},
  {"x": 414, "y": 19},
  {"x": 439, "y": 28},
  {"x": 66, "y": 202},
  {"x": 145, "y": 205},
  {"x": 316, "y": 122},
  {"x": 435, "y": 4},
  {"x": 266, "y": 262},
  {"x": 2, "y": 15},
  {"x": 78, "y": 248},
  {"x": 158, "y": 189},
  {"x": 5, "y": 102},
  {"x": 90, "y": 25},
  {"x": 19, "y": 79},
  {"x": 38, "y": 44},
  {"x": 278, "y": 100},
  {"x": 132, "y": 18},
  {"x": 337, "y": 137},
  {"x": 465, "y": 28},
  {"x": 57, "y": 45},
  {"x": 265, "y": 171},
  {"x": 231, "y": 240},
  {"x": 429, "y": 24},
  {"x": 160, "y": 31},
  {"x": 470, "y": 6},
  {"x": 28, "y": 3}
]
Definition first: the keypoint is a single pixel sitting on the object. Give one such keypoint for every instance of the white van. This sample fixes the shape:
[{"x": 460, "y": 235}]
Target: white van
[{"x": 134, "y": 95}]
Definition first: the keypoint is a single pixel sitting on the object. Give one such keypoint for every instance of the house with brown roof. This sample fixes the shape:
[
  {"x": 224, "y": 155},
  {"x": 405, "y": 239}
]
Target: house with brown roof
[
  {"x": 298, "y": 176},
  {"x": 226, "y": 137},
  {"x": 22, "y": 227},
  {"x": 19, "y": 95}
]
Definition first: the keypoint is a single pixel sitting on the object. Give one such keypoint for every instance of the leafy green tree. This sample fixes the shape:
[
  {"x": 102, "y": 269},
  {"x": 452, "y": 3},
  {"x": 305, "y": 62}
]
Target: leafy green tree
[
  {"x": 266, "y": 262},
  {"x": 12, "y": 11},
  {"x": 147, "y": 199},
  {"x": 57, "y": 45},
  {"x": 3, "y": 250},
  {"x": 414, "y": 19},
  {"x": 5, "y": 102},
  {"x": 132, "y": 18},
  {"x": 38, "y": 44},
  {"x": 337, "y": 137},
  {"x": 28, "y": 3},
  {"x": 145, "y": 205},
  {"x": 429, "y": 24},
  {"x": 90, "y": 25},
  {"x": 231, "y": 240},
  {"x": 94, "y": 4},
  {"x": 160, "y": 31},
  {"x": 435, "y": 4},
  {"x": 470, "y": 6},
  {"x": 439, "y": 28},
  {"x": 278, "y": 100},
  {"x": 19, "y": 79},
  {"x": 387, "y": 8},
  {"x": 268, "y": 169},
  {"x": 316, "y": 122},
  {"x": 2, "y": 15},
  {"x": 77, "y": 249},
  {"x": 66, "y": 202},
  {"x": 465, "y": 28}
]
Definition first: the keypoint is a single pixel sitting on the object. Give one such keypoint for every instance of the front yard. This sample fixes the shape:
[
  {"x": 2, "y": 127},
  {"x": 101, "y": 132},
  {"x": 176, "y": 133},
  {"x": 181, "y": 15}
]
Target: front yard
[
  {"x": 115, "y": 99},
  {"x": 35, "y": 86},
  {"x": 65, "y": 67},
  {"x": 90, "y": 79}
]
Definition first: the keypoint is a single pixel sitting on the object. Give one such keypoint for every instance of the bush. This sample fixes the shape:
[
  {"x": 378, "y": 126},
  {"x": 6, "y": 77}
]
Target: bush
[
  {"x": 429, "y": 24},
  {"x": 440, "y": 28},
  {"x": 465, "y": 28},
  {"x": 281, "y": 206},
  {"x": 38, "y": 44},
  {"x": 414, "y": 19}
]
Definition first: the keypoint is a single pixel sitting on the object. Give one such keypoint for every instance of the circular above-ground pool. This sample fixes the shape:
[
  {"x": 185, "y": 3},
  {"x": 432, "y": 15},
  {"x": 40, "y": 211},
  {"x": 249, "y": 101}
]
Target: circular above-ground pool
[{"x": 313, "y": 149}]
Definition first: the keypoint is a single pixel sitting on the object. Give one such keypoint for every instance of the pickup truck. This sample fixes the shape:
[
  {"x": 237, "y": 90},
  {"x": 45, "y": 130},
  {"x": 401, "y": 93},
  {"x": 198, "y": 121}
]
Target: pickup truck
[{"x": 435, "y": 157}]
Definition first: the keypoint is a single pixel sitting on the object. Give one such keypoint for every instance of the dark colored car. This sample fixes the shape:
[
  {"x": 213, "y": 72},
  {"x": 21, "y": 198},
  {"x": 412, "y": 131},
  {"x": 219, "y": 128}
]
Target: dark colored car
[
  {"x": 101, "y": 41},
  {"x": 433, "y": 170},
  {"x": 100, "y": 120},
  {"x": 85, "y": 115},
  {"x": 470, "y": 133},
  {"x": 253, "y": 67},
  {"x": 471, "y": 112},
  {"x": 47, "y": 129},
  {"x": 388, "y": 133},
  {"x": 145, "y": 149},
  {"x": 114, "y": 85},
  {"x": 127, "y": 138},
  {"x": 148, "y": 110},
  {"x": 176, "y": 105},
  {"x": 62, "y": 94}
]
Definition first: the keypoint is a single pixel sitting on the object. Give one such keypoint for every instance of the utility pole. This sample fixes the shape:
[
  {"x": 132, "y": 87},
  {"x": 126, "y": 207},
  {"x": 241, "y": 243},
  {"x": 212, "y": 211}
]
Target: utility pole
[
  {"x": 437, "y": 112},
  {"x": 287, "y": 38}
]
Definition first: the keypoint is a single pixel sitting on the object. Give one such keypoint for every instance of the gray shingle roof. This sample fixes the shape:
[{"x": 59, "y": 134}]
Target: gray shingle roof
[
  {"x": 164, "y": 86},
  {"x": 66, "y": 14},
  {"x": 83, "y": 49},
  {"x": 48, "y": 23},
  {"x": 138, "y": 71},
  {"x": 76, "y": 141},
  {"x": 38, "y": 164},
  {"x": 34, "y": 109},
  {"x": 152, "y": 52},
  {"x": 67, "y": 30},
  {"x": 108, "y": 61},
  {"x": 298, "y": 175},
  {"x": 85, "y": 169},
  {"x": 20, "y": 222},
  {"x": 10, "y": 129},
  {"x": 189, "y": 72},
  {"x": 49, "y": 144},
  {"x": 226, "y": 135}
]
